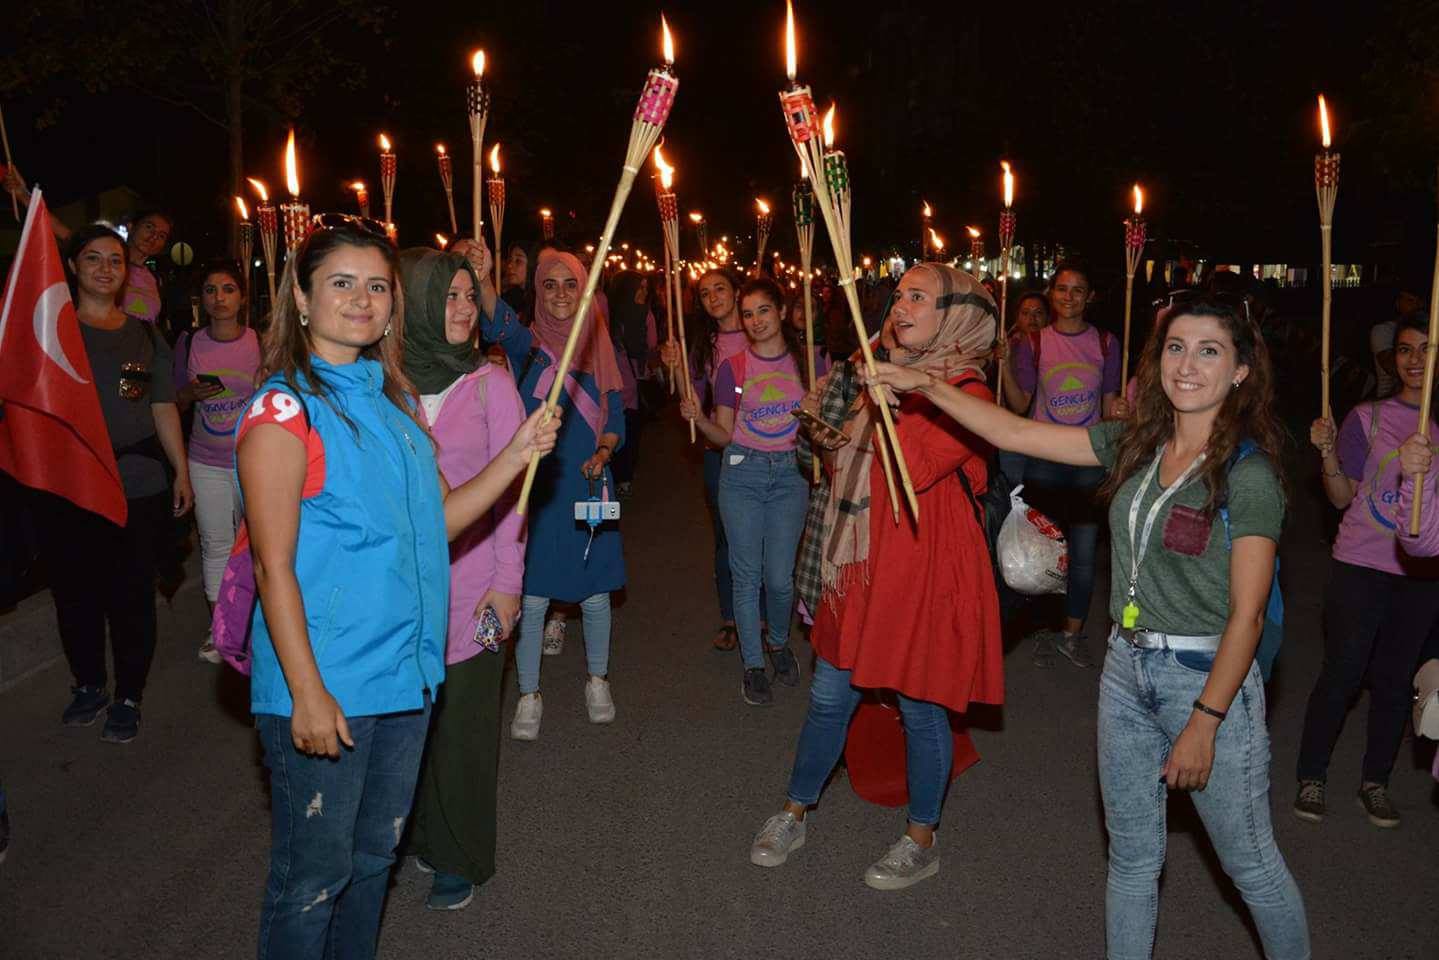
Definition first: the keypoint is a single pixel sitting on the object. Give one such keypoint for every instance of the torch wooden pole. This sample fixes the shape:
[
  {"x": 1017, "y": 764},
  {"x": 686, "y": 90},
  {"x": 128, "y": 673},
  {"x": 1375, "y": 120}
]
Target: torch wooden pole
[
  {"x": 999, "y": 367},
  {"x": 670, "y": 315},
  {"x": 677, "y": 293},
  {"x": 477, "y": 146},
  {"x": 1124, "y": 346},
  {"x": 9, "y": 162},
  {"x": 1426, "y": 398},
  {"x": 809, "y": 350},
  {"x": 1326, "y": 240}
]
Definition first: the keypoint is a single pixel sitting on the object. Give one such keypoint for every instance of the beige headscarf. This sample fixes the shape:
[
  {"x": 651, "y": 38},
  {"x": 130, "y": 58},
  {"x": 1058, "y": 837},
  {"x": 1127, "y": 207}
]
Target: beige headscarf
[{"x": 963, "y": 342}]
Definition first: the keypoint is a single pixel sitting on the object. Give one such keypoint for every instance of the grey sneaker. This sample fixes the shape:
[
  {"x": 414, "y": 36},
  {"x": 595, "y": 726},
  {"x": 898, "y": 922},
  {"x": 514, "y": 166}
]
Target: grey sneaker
[
  {"x": 1075, "y": 648},
  {"x": 85, "y": 706},
  {"x": 906, "y": 864},
  {"x": 1043, "y": 648},
  {"x": 786, "y": 667},
  {"x": 781, "y": 835},
  {"x": 1374, "y": 798},
  {"x": 755, "y": 689},
  {"x": 1309, "y": 801}
]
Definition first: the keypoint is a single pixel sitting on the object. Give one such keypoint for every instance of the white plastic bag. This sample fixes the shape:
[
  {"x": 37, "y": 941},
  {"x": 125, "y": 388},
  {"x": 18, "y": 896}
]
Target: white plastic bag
[{"x": 1033, "y": 554}]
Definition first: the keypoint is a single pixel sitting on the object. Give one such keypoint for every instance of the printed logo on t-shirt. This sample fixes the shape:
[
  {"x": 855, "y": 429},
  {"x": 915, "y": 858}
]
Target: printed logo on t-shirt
[
  {"x": 1382, "y": 495},
  {"x": 219, "y": 414},
  {"x": 772, "y": 416},
  {"x": 1071, "y": 392}
]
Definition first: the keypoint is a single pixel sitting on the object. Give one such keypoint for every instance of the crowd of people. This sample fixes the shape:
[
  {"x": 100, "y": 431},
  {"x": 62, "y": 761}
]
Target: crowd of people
[{"x": 355, "y": 463}]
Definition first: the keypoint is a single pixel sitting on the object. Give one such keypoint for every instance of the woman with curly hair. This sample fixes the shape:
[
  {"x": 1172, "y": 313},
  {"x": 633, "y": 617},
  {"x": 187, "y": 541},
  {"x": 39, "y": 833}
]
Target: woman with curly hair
[{"x": 1196, "y": 505}]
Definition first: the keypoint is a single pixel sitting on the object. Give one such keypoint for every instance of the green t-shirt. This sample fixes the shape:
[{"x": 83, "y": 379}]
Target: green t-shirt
[{"x": 1184, "y": 576}]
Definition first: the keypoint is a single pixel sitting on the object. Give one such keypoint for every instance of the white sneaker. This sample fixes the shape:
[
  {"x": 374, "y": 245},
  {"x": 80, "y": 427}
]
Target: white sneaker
[
  {"x": 906, "y": 864},
  {"x": 554, "y": 642},
  {"x": 781, "y": 835},
  {"x": 598, "y": 700},
  {"x": 207, "y": 651},
  {"x": 526, "y": 725}
]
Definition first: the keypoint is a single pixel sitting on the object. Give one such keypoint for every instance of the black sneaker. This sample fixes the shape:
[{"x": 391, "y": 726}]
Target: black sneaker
[
  {"x": 786, "y": 667},
  {"x": 1309, "y": 801},
  {"x": 122, "y": 723},
  {"x": 1374, "y": 798},
  {"x": 755, "y": 688},
  {"x": 85, "y": 707}
]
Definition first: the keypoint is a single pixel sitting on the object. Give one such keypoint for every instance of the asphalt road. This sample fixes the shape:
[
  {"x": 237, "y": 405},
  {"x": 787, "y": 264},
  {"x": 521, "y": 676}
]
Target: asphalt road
[{"x": 632, "y": 840}]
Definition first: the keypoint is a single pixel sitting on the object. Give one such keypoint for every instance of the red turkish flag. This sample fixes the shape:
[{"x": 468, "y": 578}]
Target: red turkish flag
[{"x": 52, "y": 433}]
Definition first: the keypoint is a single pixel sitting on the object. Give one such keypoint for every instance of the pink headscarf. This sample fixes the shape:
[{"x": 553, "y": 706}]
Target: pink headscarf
[{"x": 595, "y": 352}]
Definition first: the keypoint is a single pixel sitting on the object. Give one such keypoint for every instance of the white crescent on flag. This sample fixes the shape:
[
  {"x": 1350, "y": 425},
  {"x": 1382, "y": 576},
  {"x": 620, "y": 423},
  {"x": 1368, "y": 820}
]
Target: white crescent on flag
[{"x": 47, "y": 327}]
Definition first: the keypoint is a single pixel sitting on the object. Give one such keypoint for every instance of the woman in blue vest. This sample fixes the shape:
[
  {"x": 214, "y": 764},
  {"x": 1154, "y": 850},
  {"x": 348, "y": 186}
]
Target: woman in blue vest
[
  {"x": 565, "y": 559},
  {"x": 348, "y": 520}
]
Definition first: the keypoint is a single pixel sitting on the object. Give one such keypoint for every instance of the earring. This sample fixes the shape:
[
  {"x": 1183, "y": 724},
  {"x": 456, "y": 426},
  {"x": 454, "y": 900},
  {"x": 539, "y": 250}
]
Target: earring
[
  {"x": 388, "y": 328},
  {"x": 304, "y": 319},
  {"x": 1235, "y": 384}
]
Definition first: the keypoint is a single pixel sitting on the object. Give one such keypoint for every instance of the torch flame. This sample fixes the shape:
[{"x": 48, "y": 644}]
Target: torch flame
[
  {"x": 1324, "y": 122},
  {"x": 495, "y": 159},
  {"x": 442, "y": 240},
  {"x": 803, "y": 168},
  {"x": 240, "y": 205},
  {"x": 1008, "y": 184},
  {"x": 384, "y": 144},
  {"x": 935, "y": 240},
  {"x": 1138, "y": 200},
  {"x": 697, "y": 217},
  {"x": 440, "y": 149},
  {"x": 545, "y": 212},
  {"x": 292, "y": 172},
  {"x": 477, "y": 63},
  {"x": 927, "y": 212},
  {"x": 260, "y": 188},
  {"x": 829, "y": 127},
  {"x": 669, "y": 42},
  {"x": 761, "y": 206},
  {"x": 667, "y": 172},
  {"x": 358, "y": 186},
  {"x": 789, "y": 52},
  {"x": 973, "y": 232}
]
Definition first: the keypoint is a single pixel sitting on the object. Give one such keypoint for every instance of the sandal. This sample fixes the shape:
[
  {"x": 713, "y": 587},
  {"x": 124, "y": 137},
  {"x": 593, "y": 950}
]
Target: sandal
[{"x": 726, "y": 639}]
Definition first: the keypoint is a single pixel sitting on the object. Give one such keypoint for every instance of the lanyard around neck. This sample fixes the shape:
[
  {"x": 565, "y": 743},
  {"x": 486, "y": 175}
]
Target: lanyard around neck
[{"x": 1137, "y": 552}]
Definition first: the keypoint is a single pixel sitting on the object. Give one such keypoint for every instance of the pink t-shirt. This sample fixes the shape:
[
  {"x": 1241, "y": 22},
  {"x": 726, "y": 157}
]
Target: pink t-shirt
[
  {"x": 1070, "y": 376},
  {"x": 765, "y": 402},
  {"x": 236, "y": 362},
  {"x": 142, "y": 293},
  {"x": 1367, "y": 532}
]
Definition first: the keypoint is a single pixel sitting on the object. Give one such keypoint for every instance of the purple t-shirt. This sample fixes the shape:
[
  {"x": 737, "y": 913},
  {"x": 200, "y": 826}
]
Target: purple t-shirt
[
  {"x": 236, "y": 362},
  {"x": 142, "y": 293},
  {"x": 764, "y": 404},
  {"x": 1367, "y": 532},
  {"x": 1071, "y": 376},
  {"x": 727, "y": 344}
]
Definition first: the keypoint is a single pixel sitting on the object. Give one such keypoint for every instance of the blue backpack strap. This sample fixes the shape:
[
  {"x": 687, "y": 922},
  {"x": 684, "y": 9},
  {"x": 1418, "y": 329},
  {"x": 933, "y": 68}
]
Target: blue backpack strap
[{"x": 1272, "y": 634}]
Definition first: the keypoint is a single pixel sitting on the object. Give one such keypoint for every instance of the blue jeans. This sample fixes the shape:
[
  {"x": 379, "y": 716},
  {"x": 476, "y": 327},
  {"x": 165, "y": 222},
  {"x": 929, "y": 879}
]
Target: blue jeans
[
  {"x": 594, "y": 614},
  {"x": 724, "y": 583},
  {"x": 1145, "y": 700},
  {"x": 334, "y": 828},
  {"x": 928, "y": 743},
  {"x": 1066, "y": 495},
  {"x": 762, "y": 502}
]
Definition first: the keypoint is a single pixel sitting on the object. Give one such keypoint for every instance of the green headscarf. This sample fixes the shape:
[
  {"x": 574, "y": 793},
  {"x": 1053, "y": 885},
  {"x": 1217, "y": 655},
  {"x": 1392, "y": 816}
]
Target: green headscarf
[{"x": 431, "y": 362}]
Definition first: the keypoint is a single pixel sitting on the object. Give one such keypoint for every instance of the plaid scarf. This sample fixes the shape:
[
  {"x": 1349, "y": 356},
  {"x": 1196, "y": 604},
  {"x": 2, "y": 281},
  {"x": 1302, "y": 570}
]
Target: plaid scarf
[{"x": 839, "y": 391}]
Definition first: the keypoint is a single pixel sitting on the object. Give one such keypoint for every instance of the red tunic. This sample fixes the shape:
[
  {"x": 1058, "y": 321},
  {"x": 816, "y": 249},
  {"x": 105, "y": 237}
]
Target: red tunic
[{"x": 927, "y": 622}]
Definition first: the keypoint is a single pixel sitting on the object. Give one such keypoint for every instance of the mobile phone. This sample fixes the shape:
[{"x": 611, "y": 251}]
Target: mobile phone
[
  {"x": 488, "y": 629},
  {"x": 822, "y": 433},
  {"x": 211, "y": 379}
]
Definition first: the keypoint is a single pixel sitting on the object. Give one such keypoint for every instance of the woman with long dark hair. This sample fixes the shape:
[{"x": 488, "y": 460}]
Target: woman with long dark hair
[
  {"x": 762, "y": 494},
  {"x": 349, "y": 520},
  {"x": 717, "y": 336},
  {"x": 101, "y": 574},
  {"x": 1196, "y": 505}
]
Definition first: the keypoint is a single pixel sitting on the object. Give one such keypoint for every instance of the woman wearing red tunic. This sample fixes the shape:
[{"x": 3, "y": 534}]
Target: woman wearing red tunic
[{"x": 904, "y": 607}]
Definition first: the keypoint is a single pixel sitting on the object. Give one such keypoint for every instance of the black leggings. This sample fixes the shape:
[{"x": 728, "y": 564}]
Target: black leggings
[{"x": 102, "y": 574}]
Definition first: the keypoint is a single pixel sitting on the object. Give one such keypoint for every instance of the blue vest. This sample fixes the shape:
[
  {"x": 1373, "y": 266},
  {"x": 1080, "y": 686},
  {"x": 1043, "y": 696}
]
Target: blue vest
[{"x": 372, "y": 557}]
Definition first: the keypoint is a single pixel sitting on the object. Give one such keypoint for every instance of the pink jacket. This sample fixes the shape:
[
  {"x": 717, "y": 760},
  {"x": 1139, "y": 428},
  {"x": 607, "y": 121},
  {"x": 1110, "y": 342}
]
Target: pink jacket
[{"x": 474, "y": 424}]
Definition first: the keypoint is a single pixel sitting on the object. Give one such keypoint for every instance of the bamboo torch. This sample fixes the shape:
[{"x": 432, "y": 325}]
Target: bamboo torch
[
  {"x": 1426, "y": 397},
  {"x": 804, "y": 233},
  {"x": 265, "y": 217},
  {"x": 762, "y": 222},
  {"x": 701, "y": 229},
  {"x": 1006, "y": 246},
  {"x": 670, "y": 224},
  {"x": 9, "y": 162},
  {"x": 976, "y": 251},
  {"x": 447, "y": 180},
  {"x": 1134, "y": 237},
  {"x": 1326, "y": 187},
  {"x": 926, "y": 223},
  {"x": 651, "y": 113},
  {"x": 665, "y": 200},
  {"x": 832, "y": 197},
  {"x": 547, "y": 223},
  {"x": 388, "y": 167},
  {"x": 246, "y": 246},
  {"x": 477, "y": 106},
  {"x": 362, "y": 197},
  {"x": 496, "y": 191},
  {"x": 296, "y": 213}
]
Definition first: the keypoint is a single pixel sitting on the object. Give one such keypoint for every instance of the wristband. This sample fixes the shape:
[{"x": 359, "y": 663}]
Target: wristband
[{"x": 1209, "y": 711}]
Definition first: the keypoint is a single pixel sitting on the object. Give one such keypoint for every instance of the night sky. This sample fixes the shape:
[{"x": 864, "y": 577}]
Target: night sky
[{"x": 1210, "y": 105}]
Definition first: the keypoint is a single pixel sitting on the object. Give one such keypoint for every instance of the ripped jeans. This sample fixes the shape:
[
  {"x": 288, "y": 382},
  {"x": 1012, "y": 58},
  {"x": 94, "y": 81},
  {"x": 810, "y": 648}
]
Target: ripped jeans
[{"x": 334, "y": 828}]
